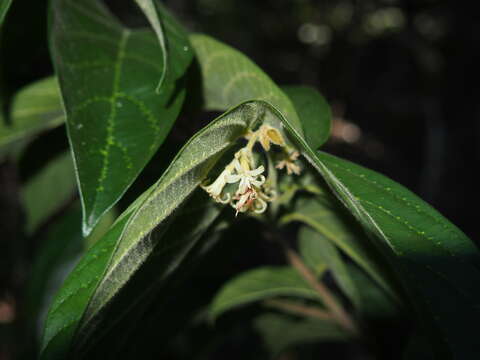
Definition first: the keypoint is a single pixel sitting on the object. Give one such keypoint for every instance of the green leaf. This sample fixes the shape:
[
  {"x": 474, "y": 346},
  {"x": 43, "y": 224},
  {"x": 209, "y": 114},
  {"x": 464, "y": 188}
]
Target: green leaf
[
  {"x": 230, "y": 78},
  {"x": 48, "y": 191},
  {"x": 281, "y": 332},
  {"x": 150, "y": 11},
  {"x": 315, "y": 244},
  {"x": 314, "y": 113},
  {"x": 374, "y": 301},
  {"x": 4, "y": 6},
  {"x": 258, "y": 284},
  {"x": 60, "y": 248},
  {"x": 35, "y": 108},
  {"x": 115, "y": 119},
  {"x": 140, "y": 236},
  {"x": 436, "y": 262},
  {"x": 323, "y": 215}
]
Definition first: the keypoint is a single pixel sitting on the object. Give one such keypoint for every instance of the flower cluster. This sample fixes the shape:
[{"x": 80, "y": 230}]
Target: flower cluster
[{"x": 252, "y": 193}]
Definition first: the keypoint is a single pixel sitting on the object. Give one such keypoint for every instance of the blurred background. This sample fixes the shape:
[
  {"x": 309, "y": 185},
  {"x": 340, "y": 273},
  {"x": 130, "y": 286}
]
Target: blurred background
[{"x": 399, "y": 76}]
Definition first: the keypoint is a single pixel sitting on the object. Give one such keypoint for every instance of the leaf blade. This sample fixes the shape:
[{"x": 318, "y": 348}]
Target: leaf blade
[{"x": 115, "y": 119}]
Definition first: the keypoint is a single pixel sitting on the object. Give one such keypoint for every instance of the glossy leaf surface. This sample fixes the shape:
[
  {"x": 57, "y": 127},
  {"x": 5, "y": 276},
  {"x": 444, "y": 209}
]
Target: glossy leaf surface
[
  {"x": 259, "y": 284},
  {"x": 314, "y": 113},
  {"x": 108, "y": 75}
]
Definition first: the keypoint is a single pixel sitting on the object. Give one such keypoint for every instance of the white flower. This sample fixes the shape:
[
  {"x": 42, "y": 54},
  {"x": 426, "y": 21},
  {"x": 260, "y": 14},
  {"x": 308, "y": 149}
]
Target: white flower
[
  {"x": 247, "y": 177},
  {"x": 250, "y": 200},
  {"x": 216, "y": 188}
]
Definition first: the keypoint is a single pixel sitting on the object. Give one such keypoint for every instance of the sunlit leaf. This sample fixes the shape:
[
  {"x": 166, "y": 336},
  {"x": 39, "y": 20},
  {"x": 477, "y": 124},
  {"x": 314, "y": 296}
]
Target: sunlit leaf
[
  {"x": 108, "y": 74},
  {"x": 312, "y": 243},
  {"x": 259, "y": 284},
  {"x": 48, "y": 191},
  {"x": 314, "y": 113}
]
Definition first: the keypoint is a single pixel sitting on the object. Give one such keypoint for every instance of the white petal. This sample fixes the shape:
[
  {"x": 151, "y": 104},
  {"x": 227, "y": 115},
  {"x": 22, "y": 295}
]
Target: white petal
[{"x": 256, "y": 171}]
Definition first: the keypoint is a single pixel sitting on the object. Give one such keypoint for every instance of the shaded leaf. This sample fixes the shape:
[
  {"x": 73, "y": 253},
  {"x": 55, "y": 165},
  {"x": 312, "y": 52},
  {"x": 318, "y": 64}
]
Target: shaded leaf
[
  {"x": 35, "y": 108},
  {"x": 48, "y": 191},
  {"x": 374, "y": 302},
  {"x": 115, "y": 119},
  {"x": 4, "y": 6},
  {"x": 60, "y": 249},
  {"x": 315, "y": 244},
  {"x": 323, "y": 215},
  {"x": 314, "y": 113},
  {"x": 229, "y": 78},
  {"x": 258, "y": 284},
  {"x": 281, "y": 332}
]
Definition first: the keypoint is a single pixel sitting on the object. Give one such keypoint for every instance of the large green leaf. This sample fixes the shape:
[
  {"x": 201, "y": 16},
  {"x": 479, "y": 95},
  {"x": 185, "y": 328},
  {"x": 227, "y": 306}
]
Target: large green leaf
[
  {"x": 325, "y": 217},
  {"x": 259, "y": 284},
  {"x": 139, "y": 237},
  {"x": 314, "y": 113},
  {"x": 4, "y": 6},
  {"x": 313, "y": 243},
  {"x": 35, "y": 108},
  {"x": 436, "y": 261},
  {"x": 281, "y": 332},
  {"x": 229, "y": 78},
  {"x": 108, "y": 75},
  {"x": 48, "y": 191}
]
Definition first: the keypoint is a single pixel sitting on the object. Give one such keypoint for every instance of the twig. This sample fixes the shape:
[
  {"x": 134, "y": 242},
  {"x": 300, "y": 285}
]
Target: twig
[{"x": 337, "y": 312}]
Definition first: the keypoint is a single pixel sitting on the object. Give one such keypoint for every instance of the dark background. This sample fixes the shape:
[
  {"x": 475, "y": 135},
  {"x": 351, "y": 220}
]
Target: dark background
[{"x": 399, "y": 75}]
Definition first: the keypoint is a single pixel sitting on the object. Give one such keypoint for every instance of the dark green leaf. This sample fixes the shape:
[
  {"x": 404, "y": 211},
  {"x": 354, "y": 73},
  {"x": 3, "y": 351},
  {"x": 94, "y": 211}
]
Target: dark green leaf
[
  {"x": 259, "y": 284},
  {"x": 437, "y": 263},
  {"x": 229, "y": 78},
  {"x": 4, "y": 6},
  {"x": 315, "y": 244},
  {"x": 48, "y": 191},
  {"x": 108, "y": 75},
  {"x": 35, "y": 108},
  {"x": 325, "y": 217},
  {"x": 150, "y": 11},
  {"x": 314, "y": 113},
  {"x": 60, "y": 249},
  {"x": 138, "y": 236},
  {"x": 374, "y": 302},
  {"x": 280, "y": 331}
]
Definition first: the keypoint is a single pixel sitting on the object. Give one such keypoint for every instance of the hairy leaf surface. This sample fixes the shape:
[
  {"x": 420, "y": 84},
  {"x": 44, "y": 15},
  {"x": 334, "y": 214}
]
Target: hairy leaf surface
[
  {"x": 141, "y": 239},
  {"x": 108, "y": 75},
  {"x": 229, "y": 78}
]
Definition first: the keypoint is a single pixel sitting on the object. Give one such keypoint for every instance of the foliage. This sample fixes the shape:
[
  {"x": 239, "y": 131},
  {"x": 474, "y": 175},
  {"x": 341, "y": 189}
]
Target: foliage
[{"x": 368, "y": 248}]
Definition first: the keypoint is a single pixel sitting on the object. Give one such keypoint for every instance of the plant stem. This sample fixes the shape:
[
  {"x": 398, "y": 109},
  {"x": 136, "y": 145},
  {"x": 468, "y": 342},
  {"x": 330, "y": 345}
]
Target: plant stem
[
  {"x": 298, "y": 309},
  {"x": 337, "y": 311}
]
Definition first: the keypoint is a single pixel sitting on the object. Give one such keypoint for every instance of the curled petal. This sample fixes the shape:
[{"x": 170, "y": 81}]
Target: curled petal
[{"x": 259, "y": 206}]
